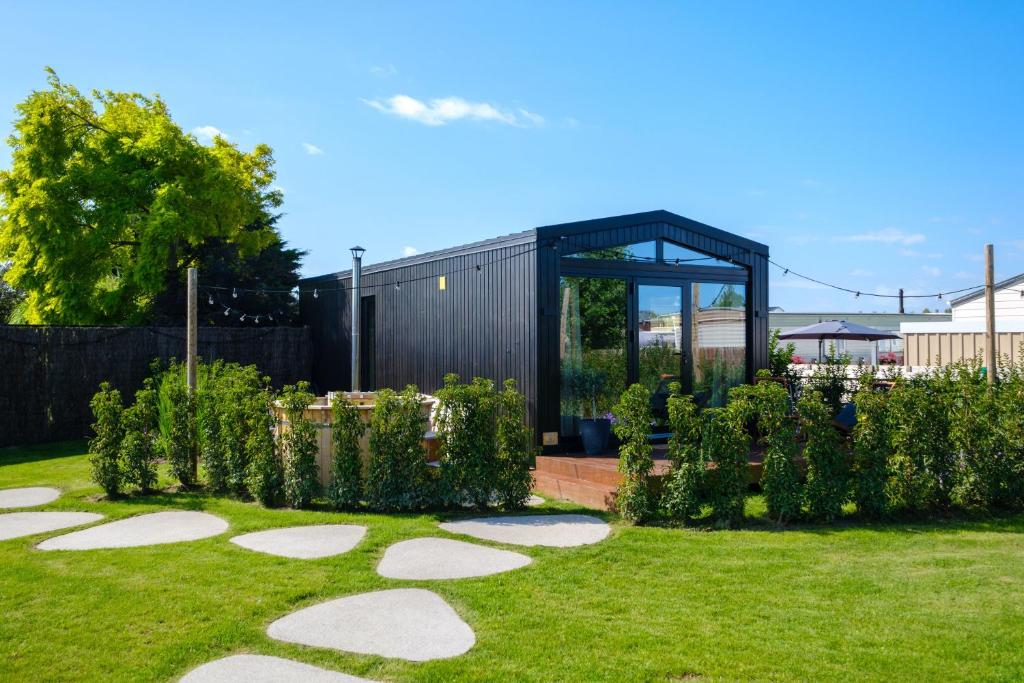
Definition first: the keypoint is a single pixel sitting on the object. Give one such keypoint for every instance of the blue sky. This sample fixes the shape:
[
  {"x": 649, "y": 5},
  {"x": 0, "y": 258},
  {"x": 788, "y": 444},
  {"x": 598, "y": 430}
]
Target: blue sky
[{"x": 876, "y": 146}]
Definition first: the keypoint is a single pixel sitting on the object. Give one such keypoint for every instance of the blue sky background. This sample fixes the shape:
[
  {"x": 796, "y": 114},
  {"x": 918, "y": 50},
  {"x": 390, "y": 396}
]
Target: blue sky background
[{"x": 874, "y": 145}]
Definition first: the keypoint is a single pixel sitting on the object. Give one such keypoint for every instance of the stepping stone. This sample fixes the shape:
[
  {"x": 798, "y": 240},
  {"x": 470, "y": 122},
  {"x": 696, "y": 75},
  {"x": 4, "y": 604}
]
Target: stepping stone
[
  {"x": 558, "y": 531},
  {"x": 534, "y": 501},
  {"x": 443, "y": 558},
  {"x": 304, "y": 542},
  {"x": 155, "y": 528},
  {"x": 263, "y": 669},
  {"x": 27, "y": 497},
  {"x": 404, "y": 623},
  {"x": 17, "y": 524}
]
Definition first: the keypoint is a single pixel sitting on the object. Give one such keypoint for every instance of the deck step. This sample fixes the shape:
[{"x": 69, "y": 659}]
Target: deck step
[
  {"x": 597, "y": 496},
  {"x": 602, "y": 471}
]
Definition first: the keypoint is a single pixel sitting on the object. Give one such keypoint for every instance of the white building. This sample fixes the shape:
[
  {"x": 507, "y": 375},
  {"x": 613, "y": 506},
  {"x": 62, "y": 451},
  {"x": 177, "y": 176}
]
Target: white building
[{"x": 963, "y": 337}]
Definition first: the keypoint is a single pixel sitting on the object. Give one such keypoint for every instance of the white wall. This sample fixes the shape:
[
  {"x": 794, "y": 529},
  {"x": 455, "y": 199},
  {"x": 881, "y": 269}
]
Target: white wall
[{"x": 1009, "y": 306}]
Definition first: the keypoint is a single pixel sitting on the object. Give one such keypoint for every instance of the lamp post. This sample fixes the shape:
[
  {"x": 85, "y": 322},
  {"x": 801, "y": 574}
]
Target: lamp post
[{"x": 357, "y": 274}]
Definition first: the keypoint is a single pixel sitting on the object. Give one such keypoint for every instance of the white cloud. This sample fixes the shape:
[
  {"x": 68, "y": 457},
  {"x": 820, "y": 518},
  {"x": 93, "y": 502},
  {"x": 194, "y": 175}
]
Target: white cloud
[
  {"x": 860, "y": 272},
  {"x": 409, "y": 251},
  {"x": 384, "y": 71},
  {"x": 441, "y": 111},
  {"x": 932, "y": 270},
  {"x": 208, "y": 133},
  {"x": 885, "y": 236},
  {"x": 962, "y": 275},
  {"x": 312, "y": 149}
]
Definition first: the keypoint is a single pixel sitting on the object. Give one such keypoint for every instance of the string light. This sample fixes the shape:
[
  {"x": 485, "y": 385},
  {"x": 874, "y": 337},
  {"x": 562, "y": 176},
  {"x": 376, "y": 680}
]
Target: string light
[
  {"x": 234, "y": 293},
  {"x": 786, "y": 271},
  {"x": 209, "y": 299},
  {"x": 398, "y": 285},
  {"x": 226, "y": 310},
  {"x": 316, "y": 293},
  {"x": 242, "y": 319}
]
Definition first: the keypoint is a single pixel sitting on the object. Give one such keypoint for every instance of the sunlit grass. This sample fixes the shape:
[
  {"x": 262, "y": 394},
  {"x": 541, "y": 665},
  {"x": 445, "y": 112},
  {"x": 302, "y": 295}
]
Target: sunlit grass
[{"x": 932, "y": 600}]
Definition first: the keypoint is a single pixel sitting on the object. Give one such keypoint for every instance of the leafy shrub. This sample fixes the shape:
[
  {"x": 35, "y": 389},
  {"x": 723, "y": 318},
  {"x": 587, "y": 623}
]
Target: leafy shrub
[
  {"x": 922, "y": 461},
  {"x": 301, "y": 475},
  {"x": 829, "y": 378},
  {"x": 635, "y": 500},
  {"x": 140, "y": 446},
  {"x": 178, "y": 426},
  {"x": 780, "y": 356},
  {"x": 210, "y": 401},
  {"x": 768, "y": 402},
  {"x": 726, "y": 443},
  {"x": 397, "y": 478},
  {"x": 681, "y": 499},
  {"x": 826, "y": 489},
  {"x": 973, "y": 434},
  {"x": 265, "y": 472},
  {"x": 515, "y": 449},
  {"x": 871, "y": 444},
  {"x": 244, "y": 406},
  {"x": 466, "y": 433},
  {"x": 346, "y": 487},
  {"x": 105, "y": 446}
]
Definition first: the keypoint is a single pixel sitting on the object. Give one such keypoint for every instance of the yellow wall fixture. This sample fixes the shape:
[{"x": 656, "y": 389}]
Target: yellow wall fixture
[{"x": 441, "y": 282}]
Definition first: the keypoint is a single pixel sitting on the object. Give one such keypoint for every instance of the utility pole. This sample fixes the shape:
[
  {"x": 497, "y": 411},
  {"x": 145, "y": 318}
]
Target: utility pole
[
  {"x": 191, "y": 346},
  {"x": 990, "y": 315},
  {"x": 357, "y": 276},
  {"x": 901, "y": 300}
]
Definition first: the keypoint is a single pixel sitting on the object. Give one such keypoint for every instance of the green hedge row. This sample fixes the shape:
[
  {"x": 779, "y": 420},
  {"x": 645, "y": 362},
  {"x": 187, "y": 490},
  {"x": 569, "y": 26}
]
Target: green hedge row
[
  {"x": 942, "y": 440},
  {"x": 228, "y": 426}
]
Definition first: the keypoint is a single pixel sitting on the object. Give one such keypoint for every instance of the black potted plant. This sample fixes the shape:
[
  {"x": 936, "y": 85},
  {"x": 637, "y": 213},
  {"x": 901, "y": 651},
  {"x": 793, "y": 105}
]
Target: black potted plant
[{"x": 594, "y": 430}]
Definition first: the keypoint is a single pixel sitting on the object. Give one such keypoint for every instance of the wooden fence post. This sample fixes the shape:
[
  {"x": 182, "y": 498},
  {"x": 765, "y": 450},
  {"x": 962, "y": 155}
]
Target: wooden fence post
[
  {"x": 990, "y": 315},
  {"x": 191, "y": 346}
]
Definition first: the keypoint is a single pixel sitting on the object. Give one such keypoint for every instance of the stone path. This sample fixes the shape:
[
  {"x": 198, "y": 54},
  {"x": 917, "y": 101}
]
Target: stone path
[
  {"x": 151, "y": 529},
  {"x": 27, "y": 497},
  {"x": 304, "y": 542},
  {"x": 443, "y": 558},
  {"x": 404, "y": 623},
  {"x": 559, "y": 531},
  {"x": 534, "y": 501},
  {"x": 17, "y": 524},
  {"x": 263, "y": 669}
]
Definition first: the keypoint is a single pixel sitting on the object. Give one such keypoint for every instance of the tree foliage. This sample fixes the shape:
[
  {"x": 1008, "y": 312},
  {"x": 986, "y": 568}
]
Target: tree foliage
[
  {"x": 681, "y": 499},
  {"x": 107, "y": 200},
  {"x": 826, "y": 489},
  {"x": 105, "y": 447},
  {"x": 301, "y": 475}
]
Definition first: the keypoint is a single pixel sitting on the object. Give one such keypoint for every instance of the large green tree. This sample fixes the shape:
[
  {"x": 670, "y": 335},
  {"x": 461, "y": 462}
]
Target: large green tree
[{"x": 107, "y": 202}]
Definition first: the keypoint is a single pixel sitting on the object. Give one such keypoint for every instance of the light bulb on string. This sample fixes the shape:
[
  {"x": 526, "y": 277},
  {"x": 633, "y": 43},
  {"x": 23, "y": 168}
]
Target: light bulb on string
[
  {"x": 257, "y": 320},
  {"x": 857, "y": 295},
  {"x": 226, "y": 311},
  {"x": 398, "y": 285},
  {"x": 316, "y": 293},
  {"x": 209, "y": 299},
  {"x": 234, "y": 293},
  {"x": 242, "y": 319}
]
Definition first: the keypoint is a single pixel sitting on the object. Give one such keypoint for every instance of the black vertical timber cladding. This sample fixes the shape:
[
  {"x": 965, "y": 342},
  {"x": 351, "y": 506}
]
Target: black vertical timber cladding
[
  {"x": 501, "y": 321},
  {"x": 482, "y": 324}
]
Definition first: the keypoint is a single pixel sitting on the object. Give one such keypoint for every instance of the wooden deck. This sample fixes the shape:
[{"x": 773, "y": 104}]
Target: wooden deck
[{"x": 591, "y": 480}]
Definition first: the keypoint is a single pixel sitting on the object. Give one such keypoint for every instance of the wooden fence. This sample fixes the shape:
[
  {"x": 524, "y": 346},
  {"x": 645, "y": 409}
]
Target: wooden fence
[{"x": 49, "y": 374}]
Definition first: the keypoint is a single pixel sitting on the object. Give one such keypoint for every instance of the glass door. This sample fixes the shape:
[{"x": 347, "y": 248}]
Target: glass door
[
  {"x": 660, "y": 342},
  {"x": 718, "y": 338}
]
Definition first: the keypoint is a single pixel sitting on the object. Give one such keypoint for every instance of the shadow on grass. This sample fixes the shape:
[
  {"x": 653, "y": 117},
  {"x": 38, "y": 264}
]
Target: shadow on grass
[{"x": 17, "y": 455}]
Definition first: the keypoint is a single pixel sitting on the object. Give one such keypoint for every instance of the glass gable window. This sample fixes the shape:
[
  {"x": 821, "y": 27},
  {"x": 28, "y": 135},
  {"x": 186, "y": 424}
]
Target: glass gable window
[
  {"x": 677, "y": 255},
  {"x": 641, "y": 251},
  {"x": 653, "y": 251}
]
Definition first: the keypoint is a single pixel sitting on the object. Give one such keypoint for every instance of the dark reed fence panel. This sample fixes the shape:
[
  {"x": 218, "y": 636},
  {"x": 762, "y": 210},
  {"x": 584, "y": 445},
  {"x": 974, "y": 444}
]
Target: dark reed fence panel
[{"x": 49, "y": 374}]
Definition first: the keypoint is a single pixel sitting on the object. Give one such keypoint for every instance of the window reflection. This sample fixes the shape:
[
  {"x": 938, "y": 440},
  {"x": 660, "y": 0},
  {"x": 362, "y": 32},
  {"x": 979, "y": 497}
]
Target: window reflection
[{"x": 719, "y": 340}]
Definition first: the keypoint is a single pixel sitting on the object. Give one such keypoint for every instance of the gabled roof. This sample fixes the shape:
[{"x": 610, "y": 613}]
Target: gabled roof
[
  {"x": 1009, "y": 282},
  {"x": 554, "y": 232},
  {"x": 659, "y": 216}
]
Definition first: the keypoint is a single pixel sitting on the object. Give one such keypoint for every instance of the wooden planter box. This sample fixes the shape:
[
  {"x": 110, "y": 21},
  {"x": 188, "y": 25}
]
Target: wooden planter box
[{"x": 319, "y": 412}]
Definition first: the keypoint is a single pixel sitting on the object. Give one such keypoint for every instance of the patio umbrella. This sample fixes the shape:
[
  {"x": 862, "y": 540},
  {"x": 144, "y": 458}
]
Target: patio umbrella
[{"x": 838, "y": 329}]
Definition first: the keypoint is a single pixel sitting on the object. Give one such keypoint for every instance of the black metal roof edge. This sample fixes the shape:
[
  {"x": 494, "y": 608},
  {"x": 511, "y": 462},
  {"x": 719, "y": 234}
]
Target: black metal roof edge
[
  {"x": 1008, "y": 282},
  {"x": 523, "y": 237},
  {"x": 658, "y": 216}
]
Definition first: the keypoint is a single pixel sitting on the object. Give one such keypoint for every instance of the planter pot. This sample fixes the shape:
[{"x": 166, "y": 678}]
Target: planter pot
[{"x": 594, "y": 434}]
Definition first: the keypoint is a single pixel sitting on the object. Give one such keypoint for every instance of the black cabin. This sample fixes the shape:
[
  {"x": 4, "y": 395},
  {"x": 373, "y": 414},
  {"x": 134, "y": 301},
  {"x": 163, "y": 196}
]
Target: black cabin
[{"x": 573, "y": 312}]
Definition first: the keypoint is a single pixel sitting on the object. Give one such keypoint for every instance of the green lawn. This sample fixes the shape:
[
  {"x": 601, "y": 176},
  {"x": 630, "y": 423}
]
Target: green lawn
[{"x": 925, "y": 601}]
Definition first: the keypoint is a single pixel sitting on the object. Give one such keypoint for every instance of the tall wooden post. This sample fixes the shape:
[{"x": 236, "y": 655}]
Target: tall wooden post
[
  {"x": 990, "y": 315},
  {"x": 191, "y": 346}
]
